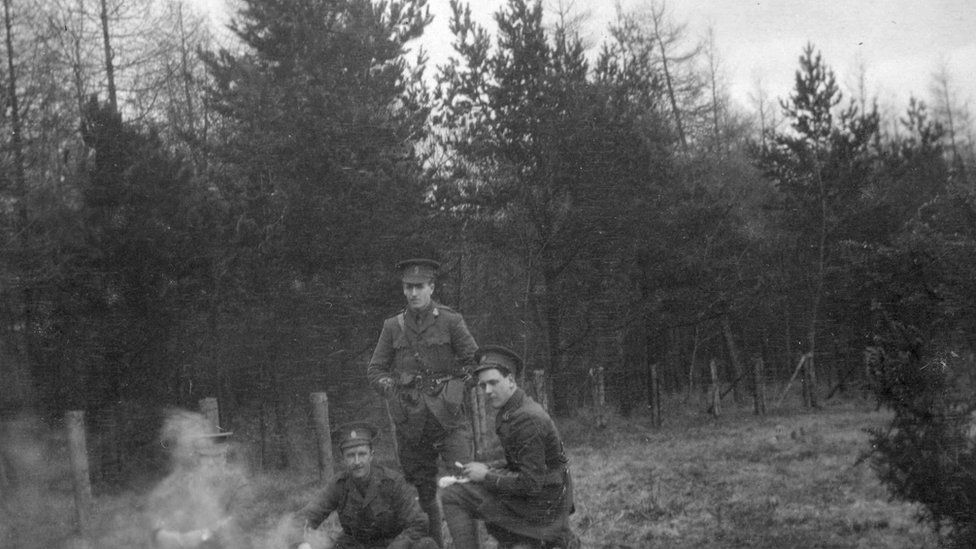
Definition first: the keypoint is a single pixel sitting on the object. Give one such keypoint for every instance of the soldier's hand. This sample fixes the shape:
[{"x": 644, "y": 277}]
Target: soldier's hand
[
  {"x": 475, "y": 471},
  {"x": 387, "y": 387}
]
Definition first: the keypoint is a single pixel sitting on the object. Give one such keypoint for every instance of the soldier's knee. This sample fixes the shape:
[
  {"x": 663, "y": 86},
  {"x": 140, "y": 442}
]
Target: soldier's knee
[
  {"x": 424, "y": 543},
  {"x": 450, "y": 496}
]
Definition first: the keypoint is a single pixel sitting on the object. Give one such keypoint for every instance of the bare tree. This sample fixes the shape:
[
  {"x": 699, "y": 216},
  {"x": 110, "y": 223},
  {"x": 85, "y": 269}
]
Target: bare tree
[
  {"x": 109, "y": 57},
  {"x": 73, "y": 43},
  {"x": 676, "y": 59},
  {"x": 955, "y": 117},
  {"x": 716, "y": 85}
]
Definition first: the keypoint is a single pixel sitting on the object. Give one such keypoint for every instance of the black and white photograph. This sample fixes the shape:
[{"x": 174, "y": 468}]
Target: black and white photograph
[{"x": 488, "y": 274}]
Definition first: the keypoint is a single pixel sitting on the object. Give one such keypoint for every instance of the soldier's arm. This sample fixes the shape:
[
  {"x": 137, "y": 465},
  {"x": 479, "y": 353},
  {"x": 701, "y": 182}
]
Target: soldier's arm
[
  {"x": 531, "y": 456},
  {"x": 410, "y": 517},
  {"x": 463, "y": 344},
  {"x": 379, "y": 371},
  {"x": 316, "y": 511}
]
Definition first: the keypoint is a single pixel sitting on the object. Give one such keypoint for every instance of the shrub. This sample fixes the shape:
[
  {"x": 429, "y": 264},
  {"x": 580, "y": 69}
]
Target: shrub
[{"x": 927, "y": 454}]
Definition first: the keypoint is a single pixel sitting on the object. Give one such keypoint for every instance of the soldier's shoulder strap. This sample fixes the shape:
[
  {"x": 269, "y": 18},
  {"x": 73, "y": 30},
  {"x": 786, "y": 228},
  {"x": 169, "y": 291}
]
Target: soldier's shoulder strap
[{"x": 444, "y": 308}]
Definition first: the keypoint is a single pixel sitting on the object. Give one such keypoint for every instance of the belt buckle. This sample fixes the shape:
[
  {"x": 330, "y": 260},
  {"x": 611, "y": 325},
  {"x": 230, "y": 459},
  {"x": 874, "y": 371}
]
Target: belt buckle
[{"x": 423, "y": 379}]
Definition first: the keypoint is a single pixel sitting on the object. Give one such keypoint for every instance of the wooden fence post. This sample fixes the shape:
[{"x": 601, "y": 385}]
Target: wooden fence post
[
  {"x": 716, "y": 396},
  {"x": 599, "y": 396},
  {"x": 655, "y": 396},
  {"x": 78, "y": 448},
  {"x": 810, "y": 382},
  {"x": 759, "y": 387},
  {"x": 799, "y": 366},
  {"x": 733, "y": 356},
  {"x": 323, "y": 433},
  {"x": 541, "y": 391},
  {"x": 479, "y": 422},
  {"x": 211, "y": 410}
]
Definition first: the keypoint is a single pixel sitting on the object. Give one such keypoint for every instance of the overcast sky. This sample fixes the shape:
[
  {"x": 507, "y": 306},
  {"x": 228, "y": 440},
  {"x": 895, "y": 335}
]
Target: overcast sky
[{"x": 900, "y": 43}]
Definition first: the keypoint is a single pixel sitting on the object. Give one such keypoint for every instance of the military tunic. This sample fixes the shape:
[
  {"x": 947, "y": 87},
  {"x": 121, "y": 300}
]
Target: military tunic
[
  {"x": 530, "y": 492},
  {"x": 384, "y": 514},
  {"x": 427, "y": 356},
  {"x": 413, "y": 349}
]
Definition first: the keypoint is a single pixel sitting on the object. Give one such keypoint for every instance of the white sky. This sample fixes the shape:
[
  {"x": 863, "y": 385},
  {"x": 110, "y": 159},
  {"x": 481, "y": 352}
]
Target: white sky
[{"x": 900, "y": 43}]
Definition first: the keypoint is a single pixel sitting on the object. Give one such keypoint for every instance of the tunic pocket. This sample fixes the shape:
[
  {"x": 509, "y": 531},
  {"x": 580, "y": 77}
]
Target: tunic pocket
[
  {"x": 436, "y": 337},
  {"x": 453, "y": 395}
]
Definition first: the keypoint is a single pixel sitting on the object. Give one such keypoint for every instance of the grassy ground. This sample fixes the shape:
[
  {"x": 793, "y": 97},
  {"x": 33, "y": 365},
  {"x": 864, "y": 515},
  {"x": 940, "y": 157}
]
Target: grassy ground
[{"x": 787, "y": 480}]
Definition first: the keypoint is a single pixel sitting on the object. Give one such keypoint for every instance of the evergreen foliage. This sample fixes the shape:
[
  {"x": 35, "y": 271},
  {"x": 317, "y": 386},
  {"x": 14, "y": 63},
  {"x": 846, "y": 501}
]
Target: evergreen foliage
[
  {"x": 320, "y": 116},
  {"x": 921, "y": 363},
  {"x": 568, "y": 161},
  {"x": 609, "y": 208},
  {"x": 129, "y": 276}
]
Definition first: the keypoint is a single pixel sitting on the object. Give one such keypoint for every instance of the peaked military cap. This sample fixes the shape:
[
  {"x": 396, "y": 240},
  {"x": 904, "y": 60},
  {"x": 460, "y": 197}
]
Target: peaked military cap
[
  {"x": 354, "y": 433},
  {"x": 501, "y": 358},
  {"x": 418, "y": 271}
]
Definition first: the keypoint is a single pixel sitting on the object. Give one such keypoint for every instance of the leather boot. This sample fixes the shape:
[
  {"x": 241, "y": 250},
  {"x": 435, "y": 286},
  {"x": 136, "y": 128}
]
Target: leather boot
[
  {"x": 427, "y": 494},
  {"x": 464, "y": 530}
]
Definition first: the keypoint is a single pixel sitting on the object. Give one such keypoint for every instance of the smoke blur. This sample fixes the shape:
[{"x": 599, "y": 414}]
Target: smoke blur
[
  {"x": 205, "y": 495},
  {"x": 33, "y": 466}
]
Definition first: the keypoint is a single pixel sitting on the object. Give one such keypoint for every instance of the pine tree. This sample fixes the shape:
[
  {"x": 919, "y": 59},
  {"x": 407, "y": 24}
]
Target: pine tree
[
  {"x": 561, "y": 162},
  {"x": 821, "y": 166}
]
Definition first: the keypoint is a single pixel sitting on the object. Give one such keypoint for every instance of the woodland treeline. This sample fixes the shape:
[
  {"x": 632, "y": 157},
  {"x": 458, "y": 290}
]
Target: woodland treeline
[{"x": 189, "y": 212}]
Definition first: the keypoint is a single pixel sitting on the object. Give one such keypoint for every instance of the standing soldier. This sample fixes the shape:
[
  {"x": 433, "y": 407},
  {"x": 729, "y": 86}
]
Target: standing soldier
[
  {"x": 526, "y": 498},
  {"x": 420, "y": 365}
]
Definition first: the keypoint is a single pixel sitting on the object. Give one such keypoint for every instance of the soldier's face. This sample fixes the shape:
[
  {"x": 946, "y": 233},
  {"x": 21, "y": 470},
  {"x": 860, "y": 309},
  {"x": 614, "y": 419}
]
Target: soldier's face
[
  {"x": 498, "y": 387},
  {"x": 358, "y": 460},
  {"x": 418, "y": 294}
]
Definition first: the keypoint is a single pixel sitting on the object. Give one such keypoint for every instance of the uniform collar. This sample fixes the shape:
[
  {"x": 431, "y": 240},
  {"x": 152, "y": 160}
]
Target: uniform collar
[
  {"x": 422, "y": 319},
  {"x": 430, "y": 309},
  {"x": 372, "y": 483},
  {"x": 514, "y": 402}
]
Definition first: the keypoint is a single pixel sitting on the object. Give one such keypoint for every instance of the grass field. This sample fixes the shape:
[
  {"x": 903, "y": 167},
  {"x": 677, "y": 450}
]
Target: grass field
[
  {"x": 787, "y": 480},
  {"x": 781, "y": 481}
]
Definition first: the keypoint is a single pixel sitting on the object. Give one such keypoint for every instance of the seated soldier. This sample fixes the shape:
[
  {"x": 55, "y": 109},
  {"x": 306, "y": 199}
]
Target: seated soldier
[
  {"x": 196, "y": 506},
  {"x": 526, "y": 498},
  {"x": 377, "y": 508}
]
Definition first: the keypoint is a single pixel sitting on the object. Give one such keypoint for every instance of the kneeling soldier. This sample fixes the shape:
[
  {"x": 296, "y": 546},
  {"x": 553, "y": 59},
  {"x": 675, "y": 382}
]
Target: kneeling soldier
[
  {"x": 525, "y": 499},
  {"x": 377, "y": 509}
]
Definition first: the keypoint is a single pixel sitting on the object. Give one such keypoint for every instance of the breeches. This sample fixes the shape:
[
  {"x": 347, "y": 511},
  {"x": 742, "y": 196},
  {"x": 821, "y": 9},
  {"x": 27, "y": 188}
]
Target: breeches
[
  {"x": 418, "y": 454},
  {"x": 346, "y": 541},
  {"x": 473, "y": 501}
]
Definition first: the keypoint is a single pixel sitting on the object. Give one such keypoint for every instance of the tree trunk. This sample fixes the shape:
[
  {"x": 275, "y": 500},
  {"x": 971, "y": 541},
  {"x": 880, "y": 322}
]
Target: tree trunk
[
  {"x": 557, "y": 368},
  {"x": 20, "y": 183},
  {"x": 810, "y": 372},
  {"x": 714, "y": 390},
  {"x": 759, "y": 387},
  {"x": 187, "y": 75},
  {"x": 671, "y": 96},
  {"x": 109, "y": 62},
  {"x": 655, "y": 395},
  {"x": 696, "y": 341},
  {"x": 713, "y": 81},
  {"x": 733, "y": 356}
]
